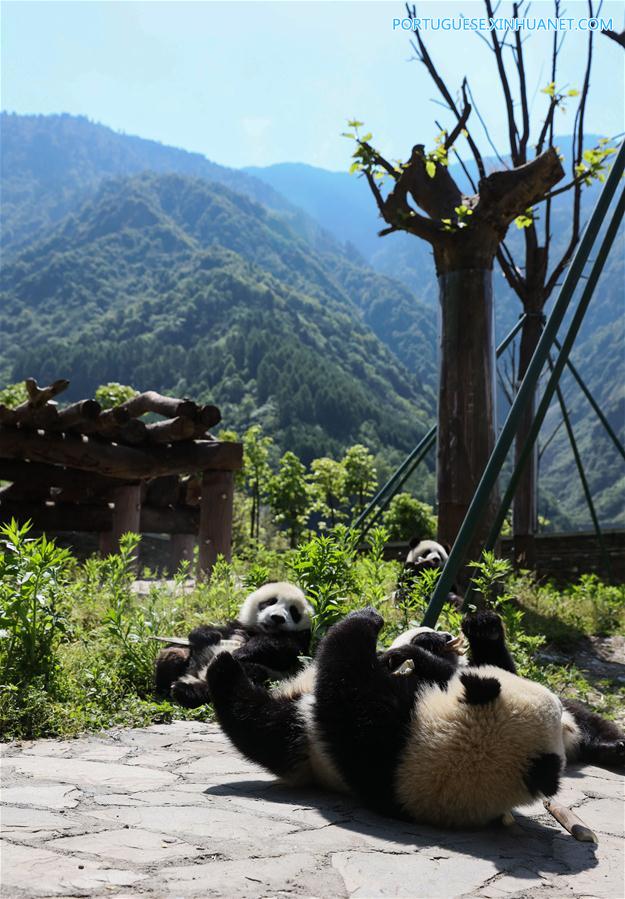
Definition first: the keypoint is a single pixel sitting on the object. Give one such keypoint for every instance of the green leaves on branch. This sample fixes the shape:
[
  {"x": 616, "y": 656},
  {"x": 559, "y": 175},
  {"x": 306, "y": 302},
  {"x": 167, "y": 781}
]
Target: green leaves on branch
[
  {"x": 525, "y": 219},
  {"x": 593, "y": 165}
]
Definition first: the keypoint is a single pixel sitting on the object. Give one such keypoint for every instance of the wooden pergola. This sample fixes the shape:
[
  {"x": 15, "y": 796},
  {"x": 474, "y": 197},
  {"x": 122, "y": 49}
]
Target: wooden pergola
[{"x": 80, "y": 468}]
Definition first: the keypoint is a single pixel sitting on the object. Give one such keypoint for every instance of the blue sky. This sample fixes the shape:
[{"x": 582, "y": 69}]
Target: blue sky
[{"x": 254, "y": 83}]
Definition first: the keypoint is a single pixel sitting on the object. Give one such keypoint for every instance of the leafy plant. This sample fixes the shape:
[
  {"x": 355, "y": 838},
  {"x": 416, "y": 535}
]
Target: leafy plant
[
  {"x": 407, "y": 517},
  {"x": 324, "y": 567},
  {"x": 114, "y": 394},
  {"x": 33, "y": 572},
  {"x": 13, "y": 395}
]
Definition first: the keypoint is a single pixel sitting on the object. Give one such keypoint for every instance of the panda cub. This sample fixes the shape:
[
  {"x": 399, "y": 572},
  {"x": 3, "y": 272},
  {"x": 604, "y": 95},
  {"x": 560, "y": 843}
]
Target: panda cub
[
  {"x": 272, "y": 630},
  {"x": 437, "y": 745},
  {"x": 424, "y": 555},
  {"x": 588, "y": 738}
]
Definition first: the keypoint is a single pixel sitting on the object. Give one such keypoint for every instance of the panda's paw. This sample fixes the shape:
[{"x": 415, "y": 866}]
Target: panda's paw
[
  {"x": 204, "y": 635},
  {"x": 223, "y": 670},
  {"x": 485, "y": 624},
  {"x": 437, "y": 642},
  {"x": 368, "y": 616}
]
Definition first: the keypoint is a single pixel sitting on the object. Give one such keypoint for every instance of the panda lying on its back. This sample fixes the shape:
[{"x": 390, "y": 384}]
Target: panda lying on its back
[
  {"x": 273, "y": 629},
  {"x": 588, "y": 738},
  {"x": 439, "y": 745}
]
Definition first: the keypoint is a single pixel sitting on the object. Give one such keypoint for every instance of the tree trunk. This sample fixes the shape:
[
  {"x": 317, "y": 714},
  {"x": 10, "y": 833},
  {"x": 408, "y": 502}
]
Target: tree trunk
[
  {"x": 525, "y": 512},
  {"x": 466, "y": 404}
]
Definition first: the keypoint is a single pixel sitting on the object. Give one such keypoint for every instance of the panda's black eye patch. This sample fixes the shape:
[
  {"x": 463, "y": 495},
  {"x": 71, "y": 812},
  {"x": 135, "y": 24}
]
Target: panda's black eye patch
[
  {"x": 296, "y": 615},
  {"x": 268, "y": 602}
]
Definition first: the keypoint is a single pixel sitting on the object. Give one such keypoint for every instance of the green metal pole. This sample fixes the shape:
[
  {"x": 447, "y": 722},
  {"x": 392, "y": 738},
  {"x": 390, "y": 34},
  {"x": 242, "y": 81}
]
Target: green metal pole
[
  {"x": 425, "y": 446},
  {"x": 528, "y": 385},
  {"x": 582, "y": 476},
  {"x": 416, "y": 454},
  {"x": 606, "y": 424},
  {"x": 401, "y": 475},
  {"x": 559, "y": 365}
]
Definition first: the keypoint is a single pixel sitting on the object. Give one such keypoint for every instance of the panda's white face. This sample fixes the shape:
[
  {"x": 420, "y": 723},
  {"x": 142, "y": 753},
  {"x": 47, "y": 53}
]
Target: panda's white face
[
  {"x": 427, "y": 550},
  {"x": 277, "y": 607}
]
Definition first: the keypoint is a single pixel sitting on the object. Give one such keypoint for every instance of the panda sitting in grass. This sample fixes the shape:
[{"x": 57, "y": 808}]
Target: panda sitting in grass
[{"x": 272, "y": 631}]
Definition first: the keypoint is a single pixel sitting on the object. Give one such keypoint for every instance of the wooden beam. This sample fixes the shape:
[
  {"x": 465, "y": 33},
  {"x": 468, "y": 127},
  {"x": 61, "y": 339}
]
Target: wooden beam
[
  {"x": 76, "y": 414},
  {"x": 126, "y": 517},
  {"x": 170, "y": 430},
  {"x": 53, "y": 475},
  {"x": 116, "y": 461},
  {"x": 61, "y": 517},
  {"x": 151, "y": 401},
  {"x": 215, "y": 536},
  {"x": 39, "y": 396}
]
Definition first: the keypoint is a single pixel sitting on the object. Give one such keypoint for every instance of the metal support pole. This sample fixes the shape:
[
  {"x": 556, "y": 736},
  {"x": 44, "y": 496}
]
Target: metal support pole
[
  {"x": 606, "y": 424},
  {"x": 582, "y": 475},
  {"x": 532, "y": 375},
  {"x": 559, "y": 365}
]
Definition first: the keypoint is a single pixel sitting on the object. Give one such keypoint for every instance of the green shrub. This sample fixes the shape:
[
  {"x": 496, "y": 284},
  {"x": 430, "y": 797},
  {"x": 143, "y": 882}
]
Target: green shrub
[
  {"x": 407, "y": 517},
  {"x": 33, "y": 613}
]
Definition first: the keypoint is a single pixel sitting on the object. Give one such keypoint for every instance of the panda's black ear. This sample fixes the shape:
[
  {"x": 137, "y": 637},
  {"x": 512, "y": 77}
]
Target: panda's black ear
[
  {"x": 415, "y": 541},
  {"x": 446, "y": 547},
  {"x": 479, "y": 690}
]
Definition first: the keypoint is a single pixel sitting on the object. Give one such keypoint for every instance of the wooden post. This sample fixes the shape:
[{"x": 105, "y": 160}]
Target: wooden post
[
  {"x": 181, "y": 548},
  {"x": 215, "y": 536},
  {"x": 126, "y": 517}
]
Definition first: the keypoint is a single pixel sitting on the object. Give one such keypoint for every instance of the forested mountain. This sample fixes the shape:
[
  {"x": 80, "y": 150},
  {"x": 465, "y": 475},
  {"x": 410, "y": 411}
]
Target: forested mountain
[
  {"x": 180, "y": 284},
  {"x": 127, "y": 260}
]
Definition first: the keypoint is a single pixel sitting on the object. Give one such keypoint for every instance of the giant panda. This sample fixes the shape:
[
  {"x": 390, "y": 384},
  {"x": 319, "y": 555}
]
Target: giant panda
[
  {"x": 272, "y": 630},
  {"x": 588, "y": 738},
  {"x": 424, "y": 554},
  {"x": 436, "y": 744}
]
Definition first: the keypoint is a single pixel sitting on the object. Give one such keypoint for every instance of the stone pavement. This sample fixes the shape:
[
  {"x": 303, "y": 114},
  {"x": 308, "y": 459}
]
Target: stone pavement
[{"x": 172, "y": 810}]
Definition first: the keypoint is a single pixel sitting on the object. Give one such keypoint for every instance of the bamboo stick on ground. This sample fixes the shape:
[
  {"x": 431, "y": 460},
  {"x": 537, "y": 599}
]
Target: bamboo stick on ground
[{"x": 569, "y": 820}]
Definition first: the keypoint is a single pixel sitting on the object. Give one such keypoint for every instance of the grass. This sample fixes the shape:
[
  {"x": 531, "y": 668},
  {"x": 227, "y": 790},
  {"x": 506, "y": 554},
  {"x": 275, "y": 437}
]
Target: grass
[{"x": 76, "y": 652}]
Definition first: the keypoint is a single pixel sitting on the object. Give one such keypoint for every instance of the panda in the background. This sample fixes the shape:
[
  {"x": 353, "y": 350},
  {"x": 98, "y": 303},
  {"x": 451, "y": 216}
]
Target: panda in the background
[
  {"x": 424, "y": 554},
  {"x": 272, "y": 631},
  {"x": 434, "y": 743},
  {"x": 426, "y": 551}
]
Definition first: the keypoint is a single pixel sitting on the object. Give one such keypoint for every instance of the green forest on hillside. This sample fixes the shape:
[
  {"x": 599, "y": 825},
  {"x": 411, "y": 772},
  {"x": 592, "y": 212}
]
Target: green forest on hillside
[{"x": 125, "y": 260}]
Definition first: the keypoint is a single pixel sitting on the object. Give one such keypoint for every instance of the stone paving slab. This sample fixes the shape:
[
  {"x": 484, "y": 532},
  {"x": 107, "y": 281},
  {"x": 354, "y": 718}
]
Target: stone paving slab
[{"x": 173, "y": 811}]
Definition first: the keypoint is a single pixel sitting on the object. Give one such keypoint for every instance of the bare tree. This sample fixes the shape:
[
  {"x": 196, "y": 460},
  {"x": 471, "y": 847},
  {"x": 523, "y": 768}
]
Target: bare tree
[{"x": 467, "y": 233}]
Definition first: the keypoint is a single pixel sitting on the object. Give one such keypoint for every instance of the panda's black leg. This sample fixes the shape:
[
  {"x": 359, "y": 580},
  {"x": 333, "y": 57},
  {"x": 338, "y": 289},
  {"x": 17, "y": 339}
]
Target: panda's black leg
[
  {"x": 487, "y": 640},
  {"x": 600, "y": 741},
  {"x": 266, "y": 729},
  {"x": 362, "y": 710}
]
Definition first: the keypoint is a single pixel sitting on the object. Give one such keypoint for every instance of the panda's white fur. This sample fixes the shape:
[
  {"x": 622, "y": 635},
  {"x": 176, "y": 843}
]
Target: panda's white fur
[
  {"x": 464, "y": 764},
  {"x": 427, "y": 550},
  {"x": 316, "y": 767},
  {"x": 253, "y": 614},
  {"x": 571, "y": 734}
]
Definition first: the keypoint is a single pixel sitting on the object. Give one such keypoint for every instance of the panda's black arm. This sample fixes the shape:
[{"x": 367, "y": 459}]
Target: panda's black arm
[
  {"x": 264, "y": 728},
  {"x": 279, "y": 652},
  {"x": 362, "y": 711},
  {"x": 487, "y": 640},
  {"x": 209, "y": 635}
]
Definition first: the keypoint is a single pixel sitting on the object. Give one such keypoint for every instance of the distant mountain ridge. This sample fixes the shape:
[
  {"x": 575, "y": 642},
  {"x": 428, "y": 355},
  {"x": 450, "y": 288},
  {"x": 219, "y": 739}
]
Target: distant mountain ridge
[{"x": 127, "y": 260}]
